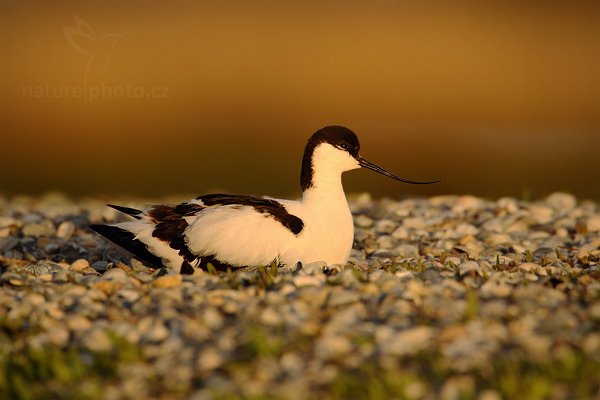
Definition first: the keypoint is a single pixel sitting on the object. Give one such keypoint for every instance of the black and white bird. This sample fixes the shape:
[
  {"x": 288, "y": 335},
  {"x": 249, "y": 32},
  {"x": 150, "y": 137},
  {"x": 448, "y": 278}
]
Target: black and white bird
[{"x": 232, "y": 231}]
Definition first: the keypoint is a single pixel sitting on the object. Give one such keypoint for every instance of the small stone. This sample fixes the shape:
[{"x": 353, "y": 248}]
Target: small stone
[
  {"x": 468, "y": 266},
  {"x": 362, "y": 221},
  {"x": 408, "y": 341},
  {"x": 509, "y": 204},
  {"x": 79, "y": 265},
  {"x": 308, "y": 280},
  {"x": 593, "y": 224},
  {"x": 457, "y": 387},
  {"x": 292, "y": 363},
  {"x": 53, "y": 311},
  {"x": 209, "y": 360},
  {"x": 533, "y": 268},
  {"x": 495, "y": 289},
  {"x": 385, "y": 226},
  {"x": 466, "y": 230},
  {"x": 489, "y": 394},
  {"x": 100, "y": 266},
  {"x": 78, "y": 323},
  {"x": 414, "y": 223},
  {"x": 156, "y": 332},
  {"x": 270, "y": 317},
  {"x": 62, "y": 276},
  {"x": 44, "y": 267},
  {"x": 58, "y": 336},
  {"x": 498, "y": 238},
  {"x": 143, "y": 277},
  {"x": 65, "y": 230},
  {"x": 467, "y": 203},
  {"x": 342, "y": 298},
  {"x": 8, "y": 243},
  {"x": 35, "y": 299},
  {"x": 97, "y": 340},
  {"x": 138, "y": 266},
  {"x": 407, "y": 250},
  {"x": 108, "y": 287},
  {"x": 213, "y": 318},
  {"x": 541, "y": 214},
  {"x": 561, "y": 201},
  {"x": 45, "y": 228},
  {"x": 385, "y": 242},
  {"x": 330, "y": 346},
  {"x": 543, "y": 251},
  {"x": 129, "y": 295},
  {"x": 168, "y": 281},
  {"x": 115, "y": 274},
  {"x": 400, "y": 233},
  {"x": 314, "y": 268},
  {"x": 594, "y": 311}
]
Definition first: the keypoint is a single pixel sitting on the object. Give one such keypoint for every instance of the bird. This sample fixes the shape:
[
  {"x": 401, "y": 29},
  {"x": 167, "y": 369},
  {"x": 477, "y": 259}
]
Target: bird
[{"x": 228, "y": 231}]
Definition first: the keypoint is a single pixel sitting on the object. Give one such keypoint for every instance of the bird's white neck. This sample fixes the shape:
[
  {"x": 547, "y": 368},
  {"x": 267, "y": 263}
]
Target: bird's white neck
[
  {"x": 326, "y": 189},
  {"x": 322, "y": 170}
]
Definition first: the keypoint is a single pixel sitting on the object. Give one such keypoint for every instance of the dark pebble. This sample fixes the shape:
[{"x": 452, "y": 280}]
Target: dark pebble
[{"x": 100, "y": 266}]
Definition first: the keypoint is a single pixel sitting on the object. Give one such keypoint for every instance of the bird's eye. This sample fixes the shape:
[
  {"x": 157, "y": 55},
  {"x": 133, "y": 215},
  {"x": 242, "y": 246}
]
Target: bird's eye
[{"x": 344, "y": 146}]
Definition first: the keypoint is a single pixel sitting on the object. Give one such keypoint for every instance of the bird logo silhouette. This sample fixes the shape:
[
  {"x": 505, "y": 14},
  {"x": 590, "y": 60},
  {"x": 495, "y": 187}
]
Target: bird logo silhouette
[{"x": 97, "y": 49}]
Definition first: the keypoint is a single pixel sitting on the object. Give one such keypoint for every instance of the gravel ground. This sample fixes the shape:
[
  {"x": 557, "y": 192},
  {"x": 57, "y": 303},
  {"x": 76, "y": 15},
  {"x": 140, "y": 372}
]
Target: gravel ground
[{"x": 450, "y": 297}]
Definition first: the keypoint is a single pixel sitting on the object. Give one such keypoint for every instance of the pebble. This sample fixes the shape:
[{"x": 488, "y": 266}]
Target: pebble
[
  {"x": 408, "y": 341},
  {"x": 308, "y": 280},
  {"x": 414, "y": 223},
  {"x": 100, "y": 266},
  {"x": 97, "y": 340},
  {"x": 495, "y": 289},
  {"x": 342, "y": 298},
  {"x": 115, "y": 274},
  {"x": 385, "y": 226},
  {"x": 35, "y": 299},
  {"x": 65, "y": 230},
  {"x": 168, "y": 281},
  {"x": 468, "y": 266},
  {"x": 45, "y": 228},
  {"x": 58, "y": 336},
  {"x": 407, "y": 250},
  {"x": 593, "y": 223},
  {"x": 362, "y": 221},
  {"x": 78, "y": 323},
  {"x": 129, "y": 295},
  {"x": 329, "y": 347},
  {"x": 79, "y": 265},
  {"x": 152, "y": 330},
  {"x": 561, "y": 201},
  {"x": 209, "y": 360}
]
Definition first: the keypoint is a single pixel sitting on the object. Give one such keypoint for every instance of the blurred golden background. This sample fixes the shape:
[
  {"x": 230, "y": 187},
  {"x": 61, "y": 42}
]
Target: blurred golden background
[{"x": 154, "y": 98}]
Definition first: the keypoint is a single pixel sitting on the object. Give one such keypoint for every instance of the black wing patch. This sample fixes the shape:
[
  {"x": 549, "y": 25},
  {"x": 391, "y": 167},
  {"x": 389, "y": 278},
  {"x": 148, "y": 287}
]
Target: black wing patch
[
  {"x": 127, "y": 210},
  {"x": 127, "y": 240},
  {"x": 171, "y": 225},
  {"x": 269, "y": 207}
]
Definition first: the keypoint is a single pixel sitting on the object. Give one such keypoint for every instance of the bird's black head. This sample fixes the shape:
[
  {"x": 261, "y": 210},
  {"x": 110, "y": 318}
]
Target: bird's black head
[
  {"x": 337, "y": 136},
  {"x": 343, "y": 139}
]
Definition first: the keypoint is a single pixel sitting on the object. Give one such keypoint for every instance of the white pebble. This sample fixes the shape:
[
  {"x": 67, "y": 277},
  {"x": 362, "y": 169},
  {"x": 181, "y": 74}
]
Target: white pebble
[{"x": 65, "y": 230}]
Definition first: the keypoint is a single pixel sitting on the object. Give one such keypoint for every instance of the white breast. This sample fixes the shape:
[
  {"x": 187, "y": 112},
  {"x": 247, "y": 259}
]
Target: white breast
[{"x": 327, "y": 235}]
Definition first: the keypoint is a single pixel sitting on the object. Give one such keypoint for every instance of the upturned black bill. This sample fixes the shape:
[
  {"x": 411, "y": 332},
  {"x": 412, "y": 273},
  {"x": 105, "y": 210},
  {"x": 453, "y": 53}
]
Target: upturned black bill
[{"x": 373, "y": 167}]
